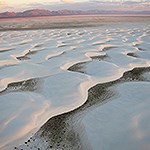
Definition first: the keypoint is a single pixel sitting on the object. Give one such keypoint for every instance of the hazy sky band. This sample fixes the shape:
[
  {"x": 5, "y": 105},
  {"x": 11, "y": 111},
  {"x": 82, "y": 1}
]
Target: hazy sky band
[
  {"x": 15, "y": 2},
  {"x": 20, "y": 5}
]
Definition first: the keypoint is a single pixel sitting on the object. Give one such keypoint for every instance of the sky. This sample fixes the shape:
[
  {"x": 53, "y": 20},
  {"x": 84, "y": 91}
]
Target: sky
[{"x": 21, "y": 5}]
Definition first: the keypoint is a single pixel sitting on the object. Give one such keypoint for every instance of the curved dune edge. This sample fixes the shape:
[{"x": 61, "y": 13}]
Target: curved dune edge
[
  {"x": 24, "y": 75},
  {"x": 46, "y": 135},
  {"x": 84, "y": 87},
  {"x": 51, "y": 65},
  {"x": 29, "y": 127}
]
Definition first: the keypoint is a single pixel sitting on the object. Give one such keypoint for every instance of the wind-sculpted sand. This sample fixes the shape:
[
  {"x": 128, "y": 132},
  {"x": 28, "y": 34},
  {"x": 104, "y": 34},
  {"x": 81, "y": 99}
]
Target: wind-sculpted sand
[{"x": 76, "y": 88}]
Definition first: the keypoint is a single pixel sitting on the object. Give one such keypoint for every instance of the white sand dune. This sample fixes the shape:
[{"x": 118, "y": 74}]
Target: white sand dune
[
  {"x": 127, "y": 126},
  {"x": 44, "y": 73}
]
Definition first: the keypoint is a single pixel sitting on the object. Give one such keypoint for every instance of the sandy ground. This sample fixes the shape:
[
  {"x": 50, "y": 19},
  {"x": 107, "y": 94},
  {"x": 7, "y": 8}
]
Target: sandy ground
[
  {"x": 66, "y": 131},
  {"x": 58, "y": 22},
  {"x": 54, "y": 82}
]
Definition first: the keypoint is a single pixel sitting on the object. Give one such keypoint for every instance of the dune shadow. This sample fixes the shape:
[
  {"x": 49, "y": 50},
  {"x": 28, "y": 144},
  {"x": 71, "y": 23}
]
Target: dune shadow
[{"x": 26, "y": 85}]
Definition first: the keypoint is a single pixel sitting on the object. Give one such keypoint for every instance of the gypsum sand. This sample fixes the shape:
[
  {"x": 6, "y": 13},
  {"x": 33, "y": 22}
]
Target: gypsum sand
[{"x": 65, "y": 132}]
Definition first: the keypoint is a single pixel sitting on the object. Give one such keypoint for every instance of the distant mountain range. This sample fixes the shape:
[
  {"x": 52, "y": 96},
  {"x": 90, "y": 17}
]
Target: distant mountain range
[{"x": 43, "y": 12}]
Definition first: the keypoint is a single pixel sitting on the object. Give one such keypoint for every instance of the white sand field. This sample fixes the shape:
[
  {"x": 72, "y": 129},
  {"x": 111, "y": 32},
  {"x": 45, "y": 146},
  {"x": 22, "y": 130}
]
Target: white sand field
[{"x": 51, "y": 71}]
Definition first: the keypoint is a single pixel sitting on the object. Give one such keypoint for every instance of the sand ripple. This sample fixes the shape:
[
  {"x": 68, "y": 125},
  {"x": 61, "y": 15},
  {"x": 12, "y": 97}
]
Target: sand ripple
[{"x": 44, "y": 73}]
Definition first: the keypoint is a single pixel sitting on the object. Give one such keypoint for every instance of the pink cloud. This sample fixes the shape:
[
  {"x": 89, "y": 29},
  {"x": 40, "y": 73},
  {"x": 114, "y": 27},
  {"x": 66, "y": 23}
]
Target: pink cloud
[
  {"x": 2, "y": 3},
  {"x": 67, "y": 1}
]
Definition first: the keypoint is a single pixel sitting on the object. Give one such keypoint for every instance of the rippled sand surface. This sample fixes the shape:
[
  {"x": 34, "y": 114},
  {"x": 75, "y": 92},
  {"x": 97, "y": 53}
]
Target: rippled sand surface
[{"x": 76, "y": 88}]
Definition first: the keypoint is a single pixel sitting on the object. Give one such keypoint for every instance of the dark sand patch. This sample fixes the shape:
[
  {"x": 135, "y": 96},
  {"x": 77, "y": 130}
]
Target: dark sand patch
[
  {"x": 102, "y": 57},
  {"x": 27, "y": 85},
  {"x": 109, "y": 48},
  {"x": 79, "y": 67},
  {"x": 133, "y": 55},
  {"x": 140, "y": 49},
  {"x": 96, "y": 44}
]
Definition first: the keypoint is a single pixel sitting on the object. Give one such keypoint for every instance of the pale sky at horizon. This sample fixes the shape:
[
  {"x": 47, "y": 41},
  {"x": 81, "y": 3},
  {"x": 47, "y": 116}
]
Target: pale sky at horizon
[
  {"x": 14, "y": 2},
  {"x": 18, "y": 5}
]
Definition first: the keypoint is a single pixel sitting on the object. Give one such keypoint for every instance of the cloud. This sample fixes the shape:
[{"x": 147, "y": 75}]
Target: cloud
[
  {"x": 81, "y": 5},
  {"x": 67, "y": 1},
  {"x": 2, "y": 3}
]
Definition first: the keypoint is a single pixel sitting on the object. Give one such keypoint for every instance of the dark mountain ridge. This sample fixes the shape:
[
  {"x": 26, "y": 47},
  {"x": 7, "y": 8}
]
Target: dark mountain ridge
[{"x": 43, "y": 12}]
